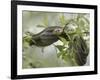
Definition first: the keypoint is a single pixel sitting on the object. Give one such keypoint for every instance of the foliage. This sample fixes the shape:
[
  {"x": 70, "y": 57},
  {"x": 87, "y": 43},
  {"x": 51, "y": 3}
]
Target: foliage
[{"x": 82, "y": 28}]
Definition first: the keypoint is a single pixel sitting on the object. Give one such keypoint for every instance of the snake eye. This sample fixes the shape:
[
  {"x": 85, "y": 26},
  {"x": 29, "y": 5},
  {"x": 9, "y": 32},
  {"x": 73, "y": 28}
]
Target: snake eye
[{"x": 57, "y": 31}]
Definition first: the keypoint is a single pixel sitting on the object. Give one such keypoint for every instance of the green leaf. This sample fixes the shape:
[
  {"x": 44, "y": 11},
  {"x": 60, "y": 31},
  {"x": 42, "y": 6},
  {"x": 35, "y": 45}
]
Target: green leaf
[
  {"x": 82, "y": 23},
  {"x": 63, "y": 40},
  {"x": 67, "y": 57},
  {"x": 59, "y": 54},
  {"x": 63, "y": 20},
  {"x": 60, "y": 47},
  {"x": 86, "y": 19}
]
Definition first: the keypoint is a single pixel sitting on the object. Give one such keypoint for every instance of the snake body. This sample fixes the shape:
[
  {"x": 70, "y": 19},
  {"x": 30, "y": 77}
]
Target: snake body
[
  {"x": 81, "y": 50},
  {"x": 47, "y": 36}
]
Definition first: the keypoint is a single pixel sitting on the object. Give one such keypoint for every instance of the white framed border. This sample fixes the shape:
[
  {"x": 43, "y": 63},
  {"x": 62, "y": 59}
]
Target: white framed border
[{"x": 21, "y": 71}]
